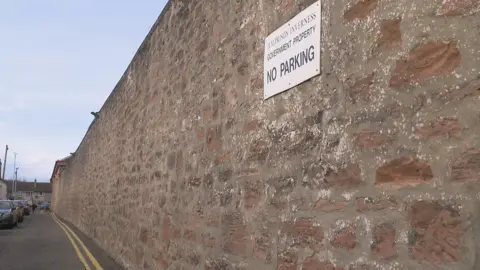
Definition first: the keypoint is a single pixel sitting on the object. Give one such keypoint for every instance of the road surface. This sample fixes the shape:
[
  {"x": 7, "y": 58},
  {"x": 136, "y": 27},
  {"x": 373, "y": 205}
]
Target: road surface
[{"x": 43, "y": 241}]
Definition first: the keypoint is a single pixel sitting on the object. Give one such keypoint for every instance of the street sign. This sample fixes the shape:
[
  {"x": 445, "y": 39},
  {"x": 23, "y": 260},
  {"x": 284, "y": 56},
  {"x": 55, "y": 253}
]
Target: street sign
[{"x": 292, "y": 52}]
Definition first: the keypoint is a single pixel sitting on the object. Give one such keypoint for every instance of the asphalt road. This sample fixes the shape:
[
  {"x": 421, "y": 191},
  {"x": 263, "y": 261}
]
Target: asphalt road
[{"x": 40, "y": 243}]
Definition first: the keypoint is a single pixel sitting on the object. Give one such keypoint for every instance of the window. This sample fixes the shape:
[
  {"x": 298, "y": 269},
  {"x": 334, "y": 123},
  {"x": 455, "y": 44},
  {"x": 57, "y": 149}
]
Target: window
[
  {"x": 5, "y": 205},
  {"x": 41, "y": 193}
]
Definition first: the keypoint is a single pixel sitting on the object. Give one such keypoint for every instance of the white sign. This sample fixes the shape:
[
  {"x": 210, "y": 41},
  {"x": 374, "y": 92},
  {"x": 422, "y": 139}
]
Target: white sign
[{"x": 292, "y": 52}]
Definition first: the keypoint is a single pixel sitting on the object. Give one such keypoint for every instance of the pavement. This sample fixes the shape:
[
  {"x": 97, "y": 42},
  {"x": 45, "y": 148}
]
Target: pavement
[{"x": 43, "y": 241}]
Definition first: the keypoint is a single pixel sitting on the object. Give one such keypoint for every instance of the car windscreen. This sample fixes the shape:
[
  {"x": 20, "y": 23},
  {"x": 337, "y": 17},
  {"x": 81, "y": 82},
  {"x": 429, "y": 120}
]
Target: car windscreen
[{"x": 5, "y": 205}]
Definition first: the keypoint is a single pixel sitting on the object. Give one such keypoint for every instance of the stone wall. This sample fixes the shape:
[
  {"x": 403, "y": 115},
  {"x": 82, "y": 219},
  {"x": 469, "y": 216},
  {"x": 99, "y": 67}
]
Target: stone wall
[{"x": 372, "y": 165}]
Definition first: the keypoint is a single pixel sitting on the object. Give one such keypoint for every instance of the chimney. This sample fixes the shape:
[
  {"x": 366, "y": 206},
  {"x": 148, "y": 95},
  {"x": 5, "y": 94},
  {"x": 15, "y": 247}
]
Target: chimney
[{"x": 35, "y": 183}]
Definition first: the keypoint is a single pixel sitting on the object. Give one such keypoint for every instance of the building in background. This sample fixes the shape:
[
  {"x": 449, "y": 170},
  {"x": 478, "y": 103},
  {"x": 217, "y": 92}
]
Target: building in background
[
  {"x": 33, "y": 192},
  {"x": 55, "y": 179},
  {"x": 3, "y": 190}
]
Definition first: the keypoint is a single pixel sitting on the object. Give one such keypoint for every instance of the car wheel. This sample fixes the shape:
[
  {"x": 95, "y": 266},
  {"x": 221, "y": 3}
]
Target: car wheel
[{"x": 15, "y": 225}]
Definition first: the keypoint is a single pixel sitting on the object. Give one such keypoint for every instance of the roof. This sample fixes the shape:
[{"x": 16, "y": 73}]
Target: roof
[
  {"x": 30, "y": 186},
  {"x": 58, "y": 163}
]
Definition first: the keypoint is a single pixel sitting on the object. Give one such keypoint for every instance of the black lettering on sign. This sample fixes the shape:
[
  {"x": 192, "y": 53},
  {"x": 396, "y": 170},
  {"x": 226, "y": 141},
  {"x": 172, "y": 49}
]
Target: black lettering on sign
[
  {"x": 271, "y": 75},
  {"x": 296, "y": 61},
  {"x": 279, "y": 50},
  {"x": 303, "y": 22},
  {"x": 278, "y": 39},
  {"x": 304, "y": 34}
]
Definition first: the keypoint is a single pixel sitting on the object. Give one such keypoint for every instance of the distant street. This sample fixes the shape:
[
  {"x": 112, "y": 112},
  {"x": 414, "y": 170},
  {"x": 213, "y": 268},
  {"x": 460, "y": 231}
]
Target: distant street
[{"x": 41, "y": 243}]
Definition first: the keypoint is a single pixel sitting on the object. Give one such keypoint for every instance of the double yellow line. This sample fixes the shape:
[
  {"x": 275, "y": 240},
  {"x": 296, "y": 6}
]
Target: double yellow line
[{"x": 69, "y": 234}]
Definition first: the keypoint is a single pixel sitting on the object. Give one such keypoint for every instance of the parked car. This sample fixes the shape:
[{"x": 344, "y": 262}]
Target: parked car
[
  {"x": 8, "y": 214},
  {"x": 26, "y": 208},
  {"x": 44, "y": 206},
  {"x": 19, "y": 209}
]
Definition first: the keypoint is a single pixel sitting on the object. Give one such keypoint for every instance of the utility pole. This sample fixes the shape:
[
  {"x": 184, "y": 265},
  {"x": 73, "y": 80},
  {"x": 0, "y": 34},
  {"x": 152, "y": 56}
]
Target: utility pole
[
  {"x": 15, "y": 171},
  {"x": 14, "y": 161},
  {"x": 16, "y": 178},
  {"x": 5, "y": 162}
]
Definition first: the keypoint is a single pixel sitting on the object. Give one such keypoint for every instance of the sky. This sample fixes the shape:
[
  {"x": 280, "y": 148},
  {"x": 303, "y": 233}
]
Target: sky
[{"x": 59, "y": 61}]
